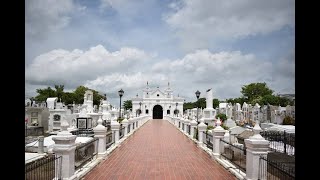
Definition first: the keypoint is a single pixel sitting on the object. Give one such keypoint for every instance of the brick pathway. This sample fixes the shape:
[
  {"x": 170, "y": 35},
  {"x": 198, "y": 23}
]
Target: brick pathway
[{"x": 159, "y": 151}]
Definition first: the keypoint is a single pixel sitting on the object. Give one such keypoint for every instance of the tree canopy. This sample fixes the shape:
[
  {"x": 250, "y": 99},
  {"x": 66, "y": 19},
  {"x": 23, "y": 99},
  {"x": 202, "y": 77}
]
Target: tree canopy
[
  {"x": 201, "y": 103},
  {"x": 251, "y": 93},
  {"x": 255, "y": 91},
  {"x": 67, "y": 97},
  {"x": 127, "y": 104}
]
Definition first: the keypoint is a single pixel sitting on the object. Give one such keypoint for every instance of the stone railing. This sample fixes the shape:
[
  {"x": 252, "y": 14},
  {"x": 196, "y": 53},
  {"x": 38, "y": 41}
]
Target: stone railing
[
  {"x": 215, "y": 142},
  {"x": 77, "y": 161}
]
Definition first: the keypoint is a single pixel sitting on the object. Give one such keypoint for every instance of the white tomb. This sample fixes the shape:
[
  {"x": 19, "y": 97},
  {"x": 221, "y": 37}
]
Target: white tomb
[
  {"x": 57, "y": 113},
  {"x": 209, "y": 112}
]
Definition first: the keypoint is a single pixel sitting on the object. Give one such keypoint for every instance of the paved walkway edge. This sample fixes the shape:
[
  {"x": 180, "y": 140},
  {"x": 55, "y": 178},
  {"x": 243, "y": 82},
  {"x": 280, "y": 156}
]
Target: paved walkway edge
[
  {"x": 225, "y": 163},
  {"x": 101, "y": 157}
]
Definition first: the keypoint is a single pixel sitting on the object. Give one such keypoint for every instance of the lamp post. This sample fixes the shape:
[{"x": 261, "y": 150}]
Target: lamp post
[
  {"x": 177, "y": 109},
  {"x": 198, "y": 95},
  {"x": 120, "y": 94},
  {"x": 140, "y": 108}
]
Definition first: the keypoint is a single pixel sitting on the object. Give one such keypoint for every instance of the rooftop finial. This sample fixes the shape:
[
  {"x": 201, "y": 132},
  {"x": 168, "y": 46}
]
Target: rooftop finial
[{"x": 168, "y": 84}]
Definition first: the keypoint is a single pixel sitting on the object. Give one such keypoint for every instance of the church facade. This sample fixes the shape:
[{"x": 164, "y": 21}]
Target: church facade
[{"x": 157, "y": 103}]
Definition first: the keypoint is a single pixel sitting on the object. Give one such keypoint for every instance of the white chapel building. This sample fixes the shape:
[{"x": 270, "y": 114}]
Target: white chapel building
[{"x": 157, "y": 103}]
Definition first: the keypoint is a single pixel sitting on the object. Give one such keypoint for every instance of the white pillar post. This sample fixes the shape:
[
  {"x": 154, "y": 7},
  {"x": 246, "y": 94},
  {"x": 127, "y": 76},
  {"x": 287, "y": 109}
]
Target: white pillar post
[
  {"x": 218, "y": 133},
  {"x": 115, "y": 126},
  {"x": 256, "y": 146},
  {"x": 193, "y": 124},
  {"x": 65, "y": 146},
  {"x": 201, "y": 128},
  {"x": 125, "y": 123},
  {"x": 100, "y": 132}
]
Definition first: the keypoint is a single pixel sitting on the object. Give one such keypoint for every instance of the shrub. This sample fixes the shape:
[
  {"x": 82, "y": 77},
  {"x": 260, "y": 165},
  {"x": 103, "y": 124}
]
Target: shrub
[
  {"x": 210, "y": 127},
  {"x": 224, "y": 127},
  {"x": 288, "y": 120},
  {"x": 222, "y": 117},
  {"x": 120, "y": 120}
]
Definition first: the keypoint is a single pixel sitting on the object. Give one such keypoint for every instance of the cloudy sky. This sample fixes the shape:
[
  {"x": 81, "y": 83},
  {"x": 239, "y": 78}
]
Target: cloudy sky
[{"x": 107, "y": 45}]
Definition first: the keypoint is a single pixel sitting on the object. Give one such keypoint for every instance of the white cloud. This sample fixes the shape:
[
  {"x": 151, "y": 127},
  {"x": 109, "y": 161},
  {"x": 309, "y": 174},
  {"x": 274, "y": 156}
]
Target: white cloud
[
  {"x": 199, "y": 22},
  {"x": 77, "y": 66},
  {"x": 45, "y": 16},
  {"x": 224, "y": 72},
  {"x": 128, "y": 8}
]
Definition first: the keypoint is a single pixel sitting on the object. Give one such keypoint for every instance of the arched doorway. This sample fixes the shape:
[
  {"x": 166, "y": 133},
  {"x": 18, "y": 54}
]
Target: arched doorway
[{"x": 157, "y": 112}]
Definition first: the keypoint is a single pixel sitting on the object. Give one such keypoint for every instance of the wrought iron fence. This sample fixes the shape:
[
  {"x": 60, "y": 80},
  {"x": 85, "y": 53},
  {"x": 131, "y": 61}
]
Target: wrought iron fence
[
  {"x": 195, "y": 133},
  {"x": 46, "y": 168},
  {"x": 85, "y": 152},
  {"x": 107, "y": 124},
  {"x": 208, "y": 138},
  {"x": 235, "y": 153},
  {"x": 83, "y": 132},
  {"x": 34, "y": 131},
  {"x": 121, "y": 132},
  {"x": 110, "y": 139},
  {"x": 280, "y": 141},
  {"x": 271, "y": 170}
]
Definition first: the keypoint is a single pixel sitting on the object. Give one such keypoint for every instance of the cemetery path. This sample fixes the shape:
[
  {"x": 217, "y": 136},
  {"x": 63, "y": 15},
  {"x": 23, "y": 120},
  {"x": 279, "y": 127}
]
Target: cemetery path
[{"x": 158, "y": 150}]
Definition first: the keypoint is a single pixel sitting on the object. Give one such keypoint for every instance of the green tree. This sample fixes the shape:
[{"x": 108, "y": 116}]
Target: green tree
[
  {"x": 96, "y": 97},
  {"x": 239, "y": 100},
  {"x": 78, "y": 94},
  {"x": 215, "y": 103},
  {"x": 44, "y": 94},
  {"x": 201, "y": 103},
  {"x": 188, "y": 105},
  {"x": 255, "y": 91},
  {"x": 59, "y": 91},
  {"x": 127, "y": 104},
  {"x": 270, "y": 99},
  {"x": 68, "y": 97}
]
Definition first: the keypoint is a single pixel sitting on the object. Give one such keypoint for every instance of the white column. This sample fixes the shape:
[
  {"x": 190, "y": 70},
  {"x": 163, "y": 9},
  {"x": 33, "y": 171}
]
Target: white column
[
  {"x": 125, "y": 123},
  {"x": 256, "y": 146},
  {"x": 218, "y": 133},
  {"x": 201, "y": 128},
  {"x": 40, "y": 146},
  {"x": 193, "y": 125},
  {"x": 115, "y": 126},
  {"x": 209, "y": 99},
  {"x": 65, "y": 146},
  {"x": 100, "y": 132}
]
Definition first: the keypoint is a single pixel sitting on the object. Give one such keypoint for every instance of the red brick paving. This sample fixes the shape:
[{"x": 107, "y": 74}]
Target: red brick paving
[{"x": 158, "y": 151}]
